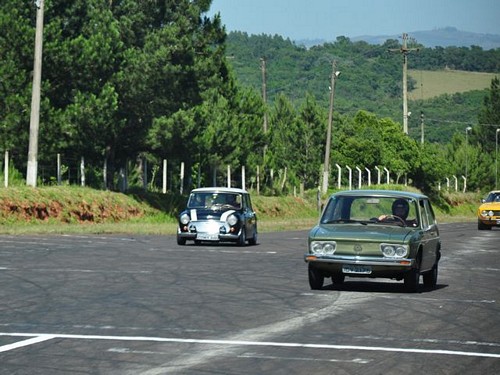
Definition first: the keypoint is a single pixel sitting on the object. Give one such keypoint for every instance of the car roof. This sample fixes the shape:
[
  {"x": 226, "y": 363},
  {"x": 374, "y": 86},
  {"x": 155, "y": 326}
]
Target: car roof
[
  {"x": 219, "y": 190},
  {"x": 494, "y": 192},
  {"x": 381, "y": 193}
]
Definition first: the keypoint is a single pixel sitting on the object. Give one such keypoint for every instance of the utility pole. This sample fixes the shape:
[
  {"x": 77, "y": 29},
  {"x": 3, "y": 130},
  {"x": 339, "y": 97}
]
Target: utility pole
[
  {"x": 264, "y": 89},
  {"x": 264, "y": 99},
  {"x": 422, "y": 127},
  {"x": 326, "y": 169},
  {"x": 405, "y": 51},
  {"x": 32, "y": 170}
]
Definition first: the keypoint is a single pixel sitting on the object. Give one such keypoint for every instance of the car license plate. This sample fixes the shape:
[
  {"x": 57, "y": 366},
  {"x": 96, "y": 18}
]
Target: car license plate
[
  {"x": 207, "y": 237},
  {"x": 351, "y": 268}
]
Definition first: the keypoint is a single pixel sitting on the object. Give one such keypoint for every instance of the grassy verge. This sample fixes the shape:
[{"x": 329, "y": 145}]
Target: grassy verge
[{"x": 77, "y": 210}]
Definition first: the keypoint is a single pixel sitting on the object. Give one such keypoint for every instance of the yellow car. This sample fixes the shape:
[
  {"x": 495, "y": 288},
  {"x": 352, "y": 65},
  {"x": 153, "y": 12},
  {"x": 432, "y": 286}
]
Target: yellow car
[{"x": 488, "y": 213}]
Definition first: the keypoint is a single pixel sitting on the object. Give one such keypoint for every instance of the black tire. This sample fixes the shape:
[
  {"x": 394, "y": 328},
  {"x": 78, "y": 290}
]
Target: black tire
[
  {"x": 242, "y": 239},
  {"x": 412, "y": 280},
  {"x": 481, "y": 226},
  {"x": 430, "y": 278},
  {"x": 316, "y": 278},
  {"x": 338, "y": 279},
  {"x": 253, "y": 241},
  {"x": 181, "y": 241}
]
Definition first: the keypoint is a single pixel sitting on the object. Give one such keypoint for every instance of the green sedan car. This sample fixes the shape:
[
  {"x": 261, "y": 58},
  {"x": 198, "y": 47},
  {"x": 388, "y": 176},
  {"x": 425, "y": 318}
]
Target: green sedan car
[{"x": 378, "y": 234}]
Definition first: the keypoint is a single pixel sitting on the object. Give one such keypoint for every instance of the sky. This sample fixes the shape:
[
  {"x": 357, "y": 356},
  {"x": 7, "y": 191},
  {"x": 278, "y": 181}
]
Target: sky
[{"x": 328, "y": 19}]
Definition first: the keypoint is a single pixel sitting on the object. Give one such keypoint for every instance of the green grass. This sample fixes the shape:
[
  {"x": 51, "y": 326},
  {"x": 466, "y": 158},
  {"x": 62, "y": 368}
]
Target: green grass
[{"x": 434, "y": 83}]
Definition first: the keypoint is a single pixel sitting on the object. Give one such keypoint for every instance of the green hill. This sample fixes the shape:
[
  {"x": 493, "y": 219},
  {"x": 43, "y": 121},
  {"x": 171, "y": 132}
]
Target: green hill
[
  {"x": 429, "y": 84},
  {"x": 446, "y": 84}
]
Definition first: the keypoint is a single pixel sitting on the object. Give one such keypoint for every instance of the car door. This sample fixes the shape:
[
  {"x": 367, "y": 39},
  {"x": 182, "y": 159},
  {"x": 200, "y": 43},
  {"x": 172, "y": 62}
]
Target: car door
[{"x": 430, "y": 238}]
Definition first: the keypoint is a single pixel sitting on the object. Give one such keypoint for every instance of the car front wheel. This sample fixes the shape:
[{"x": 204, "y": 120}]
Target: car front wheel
[
  {"x": 430, "y": 278},
  {"x": 181, "y": 241},
  {"x": 242, "y": 239},
  {"x": 316, "y": 278},
  {"x": 481, "y": 226},
  {"x": 412, "y": 280},
  {"x": 253, "y": 241}
]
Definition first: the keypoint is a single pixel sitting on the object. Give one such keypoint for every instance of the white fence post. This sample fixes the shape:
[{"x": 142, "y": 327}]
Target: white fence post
[
  {"x": 105, "y": 174},
  {"x": 243, "y": 177},
  {"x": 182, "y": 177},
  {"x": 6, "y": 170},
  {"x": 378, "y": 175},
  {"x": 339, "y": 176},
  {"x": 359, "y": 177},
  {"x": 82, "y": 171},
  {"x": 388, "y": 177},
  {"x": 164, "y": 176},
  {"x": 59, "y": 169},
  {"x": 350, "y": 176}
]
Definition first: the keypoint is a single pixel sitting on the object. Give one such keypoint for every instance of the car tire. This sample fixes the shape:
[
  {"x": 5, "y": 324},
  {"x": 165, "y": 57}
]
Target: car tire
[
  {"x": 253, "y": 241},
  {"x": 412, "y": 280},
  {"x": 242, "y": 238},
  {"x": 181, "y": 241},
  {"x": 430, "y": 278},
  {"x": 481, "y": 226},
  {"x": 316, "y": 278}
]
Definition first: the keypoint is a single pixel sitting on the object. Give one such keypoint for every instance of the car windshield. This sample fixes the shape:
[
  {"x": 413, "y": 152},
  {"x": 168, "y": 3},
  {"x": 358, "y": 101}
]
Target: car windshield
[
  {"x": 492, "y": 197},
  {"x": 368, "y": 209},
  {"x": 214, "y": 200}
]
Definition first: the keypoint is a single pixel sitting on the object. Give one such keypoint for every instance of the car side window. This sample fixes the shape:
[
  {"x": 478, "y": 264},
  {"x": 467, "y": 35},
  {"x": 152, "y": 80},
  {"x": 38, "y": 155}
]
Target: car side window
[
  {"x": 423, "y": 213},
  {"x": 428, "y": 218}
]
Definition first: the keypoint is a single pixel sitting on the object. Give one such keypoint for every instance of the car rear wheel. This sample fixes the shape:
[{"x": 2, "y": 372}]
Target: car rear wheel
[
  {"x": 430, "y": 278},
  {"x": 316, "y": 278}
]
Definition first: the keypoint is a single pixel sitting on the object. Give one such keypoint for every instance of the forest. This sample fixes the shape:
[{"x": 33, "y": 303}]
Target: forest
[{"x": 128, "y": 84}]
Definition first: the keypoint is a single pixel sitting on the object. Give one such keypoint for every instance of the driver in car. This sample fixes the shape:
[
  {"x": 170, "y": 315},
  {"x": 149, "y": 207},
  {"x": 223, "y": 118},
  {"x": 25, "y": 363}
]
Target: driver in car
[{"x": 400, "y": 210}]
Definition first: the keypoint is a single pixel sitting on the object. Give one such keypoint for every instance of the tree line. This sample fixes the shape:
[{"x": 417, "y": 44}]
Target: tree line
[{"x": 125, "y": 81}]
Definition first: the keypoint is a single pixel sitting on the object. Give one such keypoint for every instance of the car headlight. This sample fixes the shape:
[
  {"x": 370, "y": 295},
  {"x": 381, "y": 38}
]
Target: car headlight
[
  {"x": 486, "y": 213},
  {"x": 323, "y": 247},
  {"x": 232, "y": 220},
  {"x": 184, "y": 219},
  {"x": 393, "y": 250}
]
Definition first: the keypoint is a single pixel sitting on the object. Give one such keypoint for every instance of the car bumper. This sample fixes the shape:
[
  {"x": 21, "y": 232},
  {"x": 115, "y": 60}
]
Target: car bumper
[
  {"x": 358, "y": 266},
  {"x": 208, "y": 236},
  {"x": 493, "y": 221}
]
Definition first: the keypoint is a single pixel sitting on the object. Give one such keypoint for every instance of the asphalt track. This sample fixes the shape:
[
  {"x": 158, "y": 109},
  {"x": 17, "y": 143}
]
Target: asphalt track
[{"x": 144, "y": 305}]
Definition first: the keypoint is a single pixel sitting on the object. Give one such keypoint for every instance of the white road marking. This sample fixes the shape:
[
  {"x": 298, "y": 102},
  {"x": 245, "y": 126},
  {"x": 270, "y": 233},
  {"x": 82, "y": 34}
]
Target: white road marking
[
  {"x": 355, "y": 360},
  {"x": 74, "y": 270},
  {"x": 39, "y": 337},
  {"x": 20, "y": 344}
]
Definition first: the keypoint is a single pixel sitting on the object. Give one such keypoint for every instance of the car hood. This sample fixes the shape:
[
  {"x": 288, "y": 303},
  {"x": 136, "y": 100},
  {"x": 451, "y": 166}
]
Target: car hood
[
  {"x": 358, "y": 232},
  {"x": 207, "y": 214},
  {"x": 495, "y": 206}
]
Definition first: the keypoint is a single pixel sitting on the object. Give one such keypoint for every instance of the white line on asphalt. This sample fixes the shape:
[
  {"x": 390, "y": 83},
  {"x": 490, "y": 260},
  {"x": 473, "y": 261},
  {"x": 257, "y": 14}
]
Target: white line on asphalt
[
  {"x": 38, "y": 337},
  {"x": 20, "y": 344},
  {"x": 355, "y": 360},
  {"x": 75, "y": 270}
]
